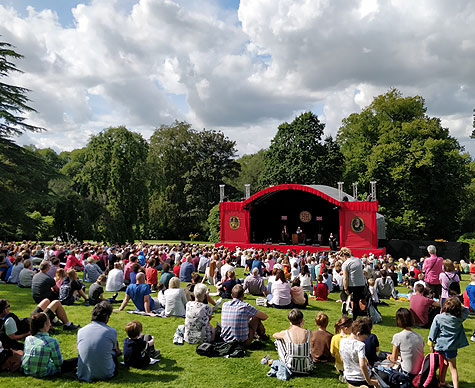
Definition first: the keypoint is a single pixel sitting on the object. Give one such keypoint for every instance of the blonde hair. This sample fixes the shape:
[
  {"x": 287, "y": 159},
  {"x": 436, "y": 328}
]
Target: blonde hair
[{"x": 174, "y": 283}]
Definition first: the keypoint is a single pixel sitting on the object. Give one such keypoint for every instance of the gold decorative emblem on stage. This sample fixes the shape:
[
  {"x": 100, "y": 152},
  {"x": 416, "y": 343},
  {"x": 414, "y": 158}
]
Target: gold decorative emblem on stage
[
  {"x": 357, "y": 224},
  {"x": 234, "y": 222},
  {"x": 305, "y": 216}
]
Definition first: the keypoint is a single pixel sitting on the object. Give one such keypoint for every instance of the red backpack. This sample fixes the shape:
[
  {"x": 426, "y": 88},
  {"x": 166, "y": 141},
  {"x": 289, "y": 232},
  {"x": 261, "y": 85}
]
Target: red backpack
[{"x": 427, "y": 377}]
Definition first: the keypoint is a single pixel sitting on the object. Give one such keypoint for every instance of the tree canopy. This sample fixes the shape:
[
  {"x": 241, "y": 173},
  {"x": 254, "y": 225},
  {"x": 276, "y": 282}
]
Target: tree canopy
[
  {"x": 13, "y": 99},
  {"x": 421, "y": 171},
  {"x": 297, "y": 154}
]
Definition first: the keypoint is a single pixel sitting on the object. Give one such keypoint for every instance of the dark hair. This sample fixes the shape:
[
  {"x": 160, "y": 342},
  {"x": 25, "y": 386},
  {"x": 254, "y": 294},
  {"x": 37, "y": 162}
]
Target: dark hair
[
  {"x": 453, "y": 306},
  {"x": 195, "y": 278},
  {"x": 362, "y": 326},
  {"x": 404, "y": 318},
  {"x": 280, "y": 275},
  {"x": 419, "y": 288},
  {"x": 133, "y": 329},
  {"x": 37, "y": 322},
  {"x": 304, "y": 270},
  {"x": 151, "y": 262},
  {"x": 319, "y": 278},
  {"x": 166, "y": 267},
  {"x": 296, "y": 282},
  {"x": 102, "y": 311},
  {"x": 237, "y": 292},
  {"x": 295, "y": 317},
  {"x": 135, "y": 267},
  {"x": 3, "y": 305}
]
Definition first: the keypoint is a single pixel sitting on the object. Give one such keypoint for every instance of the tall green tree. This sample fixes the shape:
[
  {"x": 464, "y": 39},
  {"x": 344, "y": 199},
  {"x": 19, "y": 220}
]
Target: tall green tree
[
  {"x": 115, "y": 174},
  {"x": 13, "y": 99},
  {"x": 186, "y": 167},
  {"x": 251, "y": 167},
  {"x": 420, "y": 170},
  {"x": 298, "y": 154}
]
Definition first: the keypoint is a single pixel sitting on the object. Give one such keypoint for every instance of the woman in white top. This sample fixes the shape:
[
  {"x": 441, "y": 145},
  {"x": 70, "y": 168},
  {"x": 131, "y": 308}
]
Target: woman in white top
[
  {"x": 175, "y": 299},
  {"x": 280, "y": 297},
  {"x": 305, "y": 279},
  {"x": 115, "y": 279},
  {"x": 407, "y": 344}
]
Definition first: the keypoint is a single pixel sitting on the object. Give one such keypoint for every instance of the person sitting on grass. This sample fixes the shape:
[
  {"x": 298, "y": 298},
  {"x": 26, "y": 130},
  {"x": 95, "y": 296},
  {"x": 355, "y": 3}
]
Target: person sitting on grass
[
  {"x": 227, "y": 285},
  {"x": 96, "y": 290},
  {"x": 175, "y": 299},
  {"x": 293, "y": 344},
  {"x": 241, "y": 321},
  {"x": 320, "y": 340},
  {"x": 97, "y": 346},
  {"x": 91, "y": 270},
  {"x": 42, "y": 356},
  {"x": 254, "y": 283},
  {"x": 71, "y": 288},
  {"x": 423, "y": 309},
  {"x": 280, "y": 296},
  {"x": 151, "y": 274},
  {"x": 321, "y": 289},
  {"x": 115, "y": 280},
  {"x": 13, "y": 329},
  {"x": 140, "y": 295},
  {"x": 299, "y": 297},
  {"x": 371, "y": 343},
  {"x": 352, "y": 352},
  {"x": 342, "y": 330},
  {"x": 198, "y": 315},
  {"x": 138, "y": 348},
  {"x": 26, "y": 275}
]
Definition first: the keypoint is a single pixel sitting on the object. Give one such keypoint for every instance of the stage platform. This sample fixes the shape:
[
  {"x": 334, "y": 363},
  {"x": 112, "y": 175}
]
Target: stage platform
[{"x": 358, "y": 252}]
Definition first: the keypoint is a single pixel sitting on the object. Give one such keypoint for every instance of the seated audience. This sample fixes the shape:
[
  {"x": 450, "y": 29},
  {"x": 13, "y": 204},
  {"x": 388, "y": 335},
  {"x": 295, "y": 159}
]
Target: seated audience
[
  {"x": 91, "y": 270},
  {"x": 25, "y": 277},
  {"x": 175, "y": 299},
  {"x": 280, "y": 296},
  {"x": 371, "y": 344},
  {"x": 384, "y": 286},
  {"x": 71, "y": 289},
  {"x": 254, "y": 283},
  {"x": 320, "y": 340},
  {"x": 42, "y": 356},
  {"x": 342, "y": 330},
  {"x": 140, "y": 295},
  {"x": 198, "y": 315},
  {"x": 423, "y": 309},
  {"x": 226, "y": 286},
  {"x": 305, "y": 279},
  {"x": 151, "y": 274},
  {"x": 42, "y": 285},
  {"x": 241, "y": 321},
  {"x": 138, "y": 348},
  {"x": 293, "y": 344},
  {"x": 166, "y": 275},
  {"x": 115, "y": 279},
  {"x": 321, "y": 290},
  {"x": 97, "y": 346},
  {"x": 298, "y": 296},
  {"x": 96, "y": 290},
  {"x": 352, "y": 352},
  {"x": 407, "y": 344}
]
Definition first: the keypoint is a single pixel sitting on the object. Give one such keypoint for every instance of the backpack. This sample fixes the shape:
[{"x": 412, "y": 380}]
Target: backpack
[
  {"x": 374, "y": 314},
  {"x": 64, "y": 290},
  {"x": 453, "y": 286},
  {"x": 221, "y": 349},
  {"x": 427, "y": 377}
]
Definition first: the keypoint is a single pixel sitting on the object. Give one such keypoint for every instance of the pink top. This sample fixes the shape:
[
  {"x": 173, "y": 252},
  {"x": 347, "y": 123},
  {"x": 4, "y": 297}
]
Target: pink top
[
  {"x": 419, "y": 306},
  {"x": 445, "y": 279},
  {"x": 297, "y": 295},
  {"x": 433, "y": 266},
  {"x": 71, "y": 262}
]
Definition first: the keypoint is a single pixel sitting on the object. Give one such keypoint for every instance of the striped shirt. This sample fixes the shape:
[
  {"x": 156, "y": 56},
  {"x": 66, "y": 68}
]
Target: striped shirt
[
  {"x": 297, "y": 357},
  {"x": 42, "y": 356},
  {"x": 235, "y": 317}
]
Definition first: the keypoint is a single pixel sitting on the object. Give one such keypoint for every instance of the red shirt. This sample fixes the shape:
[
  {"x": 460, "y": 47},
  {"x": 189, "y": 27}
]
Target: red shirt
[
  {"x": 420, "y": 306},
  {"x": 472, "y": 268},
  {"x": 321, "y": 291},
  {"x": 416, "y": 271},
  {"x": 151, "y": 274},
  {"x": 176, "y": 270},
  {"x": 71, "y": 262}
]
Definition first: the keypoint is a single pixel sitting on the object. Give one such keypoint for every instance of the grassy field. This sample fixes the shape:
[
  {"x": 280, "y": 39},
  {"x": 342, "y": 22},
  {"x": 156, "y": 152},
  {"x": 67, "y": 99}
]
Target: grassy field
[{"x": 180, "y": 366}]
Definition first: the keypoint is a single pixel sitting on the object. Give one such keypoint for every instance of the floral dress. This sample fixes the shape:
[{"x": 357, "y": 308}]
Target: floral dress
[{"x": 197, "y": 327}]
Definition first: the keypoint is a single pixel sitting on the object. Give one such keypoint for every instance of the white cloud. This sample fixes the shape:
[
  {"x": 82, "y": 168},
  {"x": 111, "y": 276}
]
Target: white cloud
[{"x": 243, "y": 72}]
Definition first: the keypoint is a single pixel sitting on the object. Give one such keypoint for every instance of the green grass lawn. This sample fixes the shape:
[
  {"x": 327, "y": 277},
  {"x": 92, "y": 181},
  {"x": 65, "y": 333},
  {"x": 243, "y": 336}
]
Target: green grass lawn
[{"x": 180, "y": 366}]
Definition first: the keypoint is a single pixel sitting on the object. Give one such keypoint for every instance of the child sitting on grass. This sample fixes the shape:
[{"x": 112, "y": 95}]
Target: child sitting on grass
[
  {"x": 352, "y": 352},
  {"x": 342, "y": 330},
  {"x": 320, "y": 340},
  {"x": 321, "y": 289},
  {"x": 371, "y": 344},
  {"x": 138, "y": 348}
]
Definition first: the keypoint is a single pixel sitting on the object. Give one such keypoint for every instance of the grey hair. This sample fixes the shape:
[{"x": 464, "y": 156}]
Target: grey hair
[
  {"x": 255, "y": 271},
  {"x": 200, "y": 291},
  {"x": 432, "y": 249}
]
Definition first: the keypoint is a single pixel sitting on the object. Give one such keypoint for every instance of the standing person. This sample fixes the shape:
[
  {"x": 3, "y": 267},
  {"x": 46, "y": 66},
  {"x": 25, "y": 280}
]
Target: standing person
[
  {"x": 432, "y": 267},
  {"x": 353, "y": 279},
  {"x": 447, "y": 336},
  {"x": 240, "y": 321},
  {"x": 42, "y": 356},
  {"x": 332, "y": 242},
  {"x": 97, "y": 346},
  {"x": 449, "y": 281}
]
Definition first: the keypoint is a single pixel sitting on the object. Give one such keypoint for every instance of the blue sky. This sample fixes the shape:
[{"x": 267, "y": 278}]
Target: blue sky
[{"x": 242, "y": 67}]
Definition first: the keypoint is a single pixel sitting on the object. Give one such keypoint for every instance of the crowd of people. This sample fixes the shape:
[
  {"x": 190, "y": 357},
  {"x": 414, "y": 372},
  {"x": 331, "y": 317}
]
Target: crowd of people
[{"x": 152, "y": 277}]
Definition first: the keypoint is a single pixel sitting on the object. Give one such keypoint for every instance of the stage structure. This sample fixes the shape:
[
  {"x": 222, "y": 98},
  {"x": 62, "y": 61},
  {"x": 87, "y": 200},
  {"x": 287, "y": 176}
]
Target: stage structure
[{"x": 299, "y": 217}]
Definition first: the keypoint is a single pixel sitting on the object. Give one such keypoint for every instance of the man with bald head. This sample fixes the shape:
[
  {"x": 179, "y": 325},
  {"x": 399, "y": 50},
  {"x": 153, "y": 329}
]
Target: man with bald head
[{"x": 140, "y": 295}]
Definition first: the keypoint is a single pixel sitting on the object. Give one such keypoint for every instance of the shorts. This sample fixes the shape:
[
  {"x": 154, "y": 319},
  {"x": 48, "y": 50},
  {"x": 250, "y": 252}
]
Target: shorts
[
  {"x": 48, "y": 312},
  {"x": 448, "y": 354}
]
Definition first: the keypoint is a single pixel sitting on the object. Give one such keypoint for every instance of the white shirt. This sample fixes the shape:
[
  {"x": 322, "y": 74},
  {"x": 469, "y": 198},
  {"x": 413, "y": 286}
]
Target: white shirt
[
  {"x": 351, "y": 351},
  {"x": 225, "y": 268},
  {"x": 115, "y": 280}
]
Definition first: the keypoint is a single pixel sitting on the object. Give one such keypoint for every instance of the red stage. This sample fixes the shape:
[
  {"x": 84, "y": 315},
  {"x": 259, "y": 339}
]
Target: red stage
[{"x": 257, "y": 222}]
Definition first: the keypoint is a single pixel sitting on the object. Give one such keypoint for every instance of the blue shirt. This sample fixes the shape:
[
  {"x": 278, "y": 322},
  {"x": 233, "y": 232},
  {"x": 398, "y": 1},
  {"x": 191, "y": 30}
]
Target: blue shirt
[
  {"x": 471, "y": 295},
  {"x": 259, "y": 265},
  {"x": 186, "y": 270},
  {"x": 137, "y": 293},
  {"x": 447, "y": 331},
  {"x": 96, "y": 349}
]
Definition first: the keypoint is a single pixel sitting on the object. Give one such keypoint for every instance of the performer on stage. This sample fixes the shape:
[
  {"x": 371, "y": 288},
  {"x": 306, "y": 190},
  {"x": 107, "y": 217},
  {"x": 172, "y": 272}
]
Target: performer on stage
[
  {"x": 284, "y": 234},
  {"x": 332, "y": 242}
]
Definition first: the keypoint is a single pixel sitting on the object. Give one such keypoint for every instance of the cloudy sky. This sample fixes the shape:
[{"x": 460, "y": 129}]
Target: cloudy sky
[{"x": 242, "y": 67}]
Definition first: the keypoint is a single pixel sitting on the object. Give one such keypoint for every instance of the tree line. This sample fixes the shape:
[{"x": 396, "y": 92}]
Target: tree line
[{"x": 122, "y": 187}]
